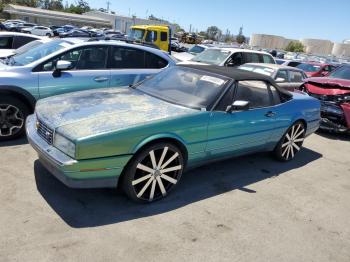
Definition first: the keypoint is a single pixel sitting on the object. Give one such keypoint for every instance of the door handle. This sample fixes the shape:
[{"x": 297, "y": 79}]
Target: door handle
[
  {"x": 101, "y": 79},
  {"x": 270, "y": 114}
]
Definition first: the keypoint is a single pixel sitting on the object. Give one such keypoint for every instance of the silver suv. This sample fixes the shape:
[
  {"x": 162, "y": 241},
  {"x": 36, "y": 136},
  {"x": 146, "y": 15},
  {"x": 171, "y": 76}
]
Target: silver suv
[{"x": 68, "y": 65}]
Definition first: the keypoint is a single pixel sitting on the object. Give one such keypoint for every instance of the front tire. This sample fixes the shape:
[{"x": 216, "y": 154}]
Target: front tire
[
  {"x": 291, "y": 142},
  {"x": 153, "y": 172},
  {"x": 13, "y": 113}
]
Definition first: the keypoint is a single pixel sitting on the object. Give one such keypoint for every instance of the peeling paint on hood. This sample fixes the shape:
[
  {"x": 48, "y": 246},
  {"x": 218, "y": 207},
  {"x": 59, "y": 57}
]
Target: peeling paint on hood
[{"x": 93, "y": 112}]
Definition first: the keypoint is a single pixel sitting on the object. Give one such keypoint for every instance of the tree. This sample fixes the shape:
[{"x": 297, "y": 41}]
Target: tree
[
  {"x": 295, "y": 46},
  {"x": 240, "y": 39},
  {"x": 80, "y": 7},
  {"x": 213, "y": 32},
  {"x": 178, "y": 28}
]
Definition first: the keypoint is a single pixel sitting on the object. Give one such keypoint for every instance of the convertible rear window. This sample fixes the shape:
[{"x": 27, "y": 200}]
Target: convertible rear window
[{"x": 185, "y": 86}]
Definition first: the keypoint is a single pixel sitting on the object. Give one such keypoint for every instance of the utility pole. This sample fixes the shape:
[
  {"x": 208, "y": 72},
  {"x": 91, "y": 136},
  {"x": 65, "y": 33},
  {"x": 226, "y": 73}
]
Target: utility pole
[{"x": 108, "y": 4}]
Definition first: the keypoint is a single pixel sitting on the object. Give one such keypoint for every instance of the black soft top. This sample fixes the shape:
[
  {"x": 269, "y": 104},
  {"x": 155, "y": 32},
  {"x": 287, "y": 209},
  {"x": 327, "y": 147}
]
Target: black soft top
[{"x": 235, "y": 74}]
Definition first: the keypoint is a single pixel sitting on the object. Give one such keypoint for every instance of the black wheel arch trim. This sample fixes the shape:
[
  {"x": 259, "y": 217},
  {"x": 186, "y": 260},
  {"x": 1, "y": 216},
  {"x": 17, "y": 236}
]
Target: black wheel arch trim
[{"x": 23, "y": 94}]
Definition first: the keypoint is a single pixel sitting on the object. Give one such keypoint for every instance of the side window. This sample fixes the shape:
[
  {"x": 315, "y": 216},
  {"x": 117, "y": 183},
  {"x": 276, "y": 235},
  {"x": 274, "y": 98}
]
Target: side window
[
  {"x": 296, "y": 76},
  {"x": 163, "y": 36},
  {"x": 151, "y": 36},
  {"x": 256, "y": 92},
  {"x": 124, "y": 57},
  {"x": 252, "y": 58},
  {"x": 236, "y": 59},
  {"x": 19, "y": 41},
  {"x": 6, "y": 42},
  {"x": 268, "y": 59},
  {"x": 282, "y": 74},
  {"x": 82, "y": 59},
  {"x": 154, "y": 61}
]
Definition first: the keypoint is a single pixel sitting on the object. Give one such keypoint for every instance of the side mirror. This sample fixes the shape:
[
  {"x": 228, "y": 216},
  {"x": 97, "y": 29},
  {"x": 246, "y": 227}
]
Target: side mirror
[
  {"x": 63, "y": 65},
  {"x": 238, "y": 105},
  {"x": 280, "y": 80},
  {"x": 60, "y": 66}
]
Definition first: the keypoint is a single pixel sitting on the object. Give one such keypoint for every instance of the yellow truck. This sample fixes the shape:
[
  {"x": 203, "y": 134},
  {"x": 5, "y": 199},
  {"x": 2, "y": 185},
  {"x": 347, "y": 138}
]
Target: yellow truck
[{"x": 156, "y": 35}]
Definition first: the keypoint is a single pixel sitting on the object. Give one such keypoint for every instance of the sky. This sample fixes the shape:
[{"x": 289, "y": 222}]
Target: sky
[{"x": 295, "y": 19}]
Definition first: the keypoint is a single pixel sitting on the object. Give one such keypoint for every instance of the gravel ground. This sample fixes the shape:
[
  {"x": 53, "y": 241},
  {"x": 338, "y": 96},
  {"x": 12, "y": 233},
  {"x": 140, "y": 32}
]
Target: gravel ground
[{"x": 250, "y": 208}]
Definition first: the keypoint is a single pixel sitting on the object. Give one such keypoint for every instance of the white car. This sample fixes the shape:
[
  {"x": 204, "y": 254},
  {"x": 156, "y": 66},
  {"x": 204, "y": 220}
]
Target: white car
[
  {"x": 38, "y": 30},
  {"x": 231, "y": 57},
  {"x": 192, "y": 52},
  {"x": 5, "y": 54},
  {"x": 10, "y": 41}
]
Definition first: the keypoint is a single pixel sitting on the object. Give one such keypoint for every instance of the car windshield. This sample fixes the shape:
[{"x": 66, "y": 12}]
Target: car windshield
[
  {"x": 137, "y": 34},
  {"x": 342, "y": 73},
  {"x": 196, "y": 49},
  {"x": 28, "y": 46},
  {"x": 258, "y": 69},
  {"x": 185, "y": 86},
  {"x": 308, "y": 67},
  {"x": 39, "y": 52},
  {"x": 212, "y": 56}
]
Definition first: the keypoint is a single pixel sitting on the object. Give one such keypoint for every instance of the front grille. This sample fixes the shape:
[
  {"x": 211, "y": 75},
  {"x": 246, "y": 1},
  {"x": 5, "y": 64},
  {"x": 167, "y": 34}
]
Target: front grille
[{"x": 44, "y": 132}]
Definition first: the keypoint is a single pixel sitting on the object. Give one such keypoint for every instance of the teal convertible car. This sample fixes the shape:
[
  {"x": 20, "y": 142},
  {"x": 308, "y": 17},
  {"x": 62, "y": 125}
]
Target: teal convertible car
[{"x": 143, "y": 137}]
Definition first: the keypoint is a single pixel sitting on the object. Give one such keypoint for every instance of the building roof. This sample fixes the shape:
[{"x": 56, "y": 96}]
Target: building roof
[{"x": 25, "y": 10}]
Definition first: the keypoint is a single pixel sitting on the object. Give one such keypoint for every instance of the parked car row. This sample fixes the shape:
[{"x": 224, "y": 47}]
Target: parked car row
[{"x": 61, "y": 31}]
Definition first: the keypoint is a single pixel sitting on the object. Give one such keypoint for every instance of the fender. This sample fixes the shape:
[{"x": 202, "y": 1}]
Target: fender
[
  {"x": 30, "y": 99},
  {"x": 156, "y": 137}
]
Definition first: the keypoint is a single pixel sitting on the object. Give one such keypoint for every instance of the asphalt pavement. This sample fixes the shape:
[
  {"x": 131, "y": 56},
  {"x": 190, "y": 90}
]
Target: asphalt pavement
[{"x": 250, "y": 208}]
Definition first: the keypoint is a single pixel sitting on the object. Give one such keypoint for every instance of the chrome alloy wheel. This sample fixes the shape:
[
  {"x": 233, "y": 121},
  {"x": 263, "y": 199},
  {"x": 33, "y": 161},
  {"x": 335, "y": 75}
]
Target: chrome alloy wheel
[
  {"x": 292, "y": 142},
  {"x": 157, "y": 173},
  {"x": 11, "y": 120}
]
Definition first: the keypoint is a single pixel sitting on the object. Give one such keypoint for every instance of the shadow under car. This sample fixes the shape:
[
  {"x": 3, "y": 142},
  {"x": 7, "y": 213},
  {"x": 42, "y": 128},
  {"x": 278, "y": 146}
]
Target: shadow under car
[{"x": 81, "y": 208}]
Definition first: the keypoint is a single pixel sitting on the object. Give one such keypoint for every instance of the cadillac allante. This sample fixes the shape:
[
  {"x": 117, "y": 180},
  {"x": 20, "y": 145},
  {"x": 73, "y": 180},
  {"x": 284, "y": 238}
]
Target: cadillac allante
[{"x": 144, "y": 137}]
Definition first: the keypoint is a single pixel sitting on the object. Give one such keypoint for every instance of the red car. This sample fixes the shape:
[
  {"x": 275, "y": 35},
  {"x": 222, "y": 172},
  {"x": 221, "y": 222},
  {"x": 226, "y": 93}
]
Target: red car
[
  {"x": 334, "y": 93},
  {"x": 313, "y": 69}
]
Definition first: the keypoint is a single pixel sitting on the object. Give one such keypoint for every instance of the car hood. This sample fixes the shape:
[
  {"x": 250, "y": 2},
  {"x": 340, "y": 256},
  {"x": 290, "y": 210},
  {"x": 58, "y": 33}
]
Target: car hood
[
  {"x": 184, "y": 56},
  {"x": 87, "y": 113},
  {"x": 6, "y": 52},
  {"x": 190, "y": 62},
  {"x": 4, "y": 67},
  {"x": 327, "y": 86}
]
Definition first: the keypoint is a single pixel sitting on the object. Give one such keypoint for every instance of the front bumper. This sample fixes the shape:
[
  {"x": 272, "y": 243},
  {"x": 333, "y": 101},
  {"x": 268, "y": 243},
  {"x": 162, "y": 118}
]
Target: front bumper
[
  {"x": 91, "y": 173},
  {"x": 334, "y": 118}
]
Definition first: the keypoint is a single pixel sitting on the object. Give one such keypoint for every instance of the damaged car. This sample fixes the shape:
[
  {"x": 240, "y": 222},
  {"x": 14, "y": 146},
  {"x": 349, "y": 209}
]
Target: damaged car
[
  {"x": 144, "y": 137},
  {"x": 334, "y": 93}
]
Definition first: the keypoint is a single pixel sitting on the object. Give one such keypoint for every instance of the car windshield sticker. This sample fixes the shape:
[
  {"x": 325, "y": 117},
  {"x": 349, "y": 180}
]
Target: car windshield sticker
[{"x": 214, "y": 80}]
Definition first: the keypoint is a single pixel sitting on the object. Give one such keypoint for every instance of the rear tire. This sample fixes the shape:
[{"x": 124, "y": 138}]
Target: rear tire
[
  {"x": 291, "y": 142},
  {"x": 153, "y": 172},
  {"x": 13, "y": 113}
]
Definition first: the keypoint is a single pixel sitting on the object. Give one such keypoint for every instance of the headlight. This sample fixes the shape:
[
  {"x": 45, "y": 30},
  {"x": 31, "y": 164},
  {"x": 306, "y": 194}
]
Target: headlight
[{"x": 65, "y": 145}]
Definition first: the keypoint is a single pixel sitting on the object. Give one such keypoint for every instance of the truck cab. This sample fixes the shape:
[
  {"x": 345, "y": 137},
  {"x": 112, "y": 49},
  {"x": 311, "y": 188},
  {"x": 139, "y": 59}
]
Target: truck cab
[{"x": 158, "y": 35}]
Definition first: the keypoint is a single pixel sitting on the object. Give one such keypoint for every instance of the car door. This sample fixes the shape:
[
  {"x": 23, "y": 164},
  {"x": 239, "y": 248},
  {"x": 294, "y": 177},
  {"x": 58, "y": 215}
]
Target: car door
[
  {"x": 131, "y": 65},
  {"x": 88, "y": 71},
  {"x": 242, "y": 131}
]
